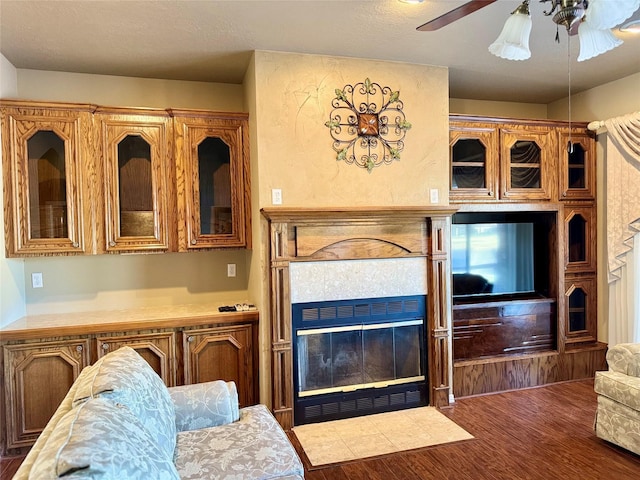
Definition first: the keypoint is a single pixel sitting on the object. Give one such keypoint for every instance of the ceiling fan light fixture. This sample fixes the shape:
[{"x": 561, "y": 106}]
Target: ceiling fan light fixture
[
  {"x": 594, "y": 42},
  {"x": 513, "y": 41},
  {"x": 605, "y": 15}
]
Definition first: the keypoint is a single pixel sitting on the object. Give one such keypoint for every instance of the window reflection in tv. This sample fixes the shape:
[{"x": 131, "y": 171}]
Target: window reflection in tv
[{"x": 492, "y": 258}]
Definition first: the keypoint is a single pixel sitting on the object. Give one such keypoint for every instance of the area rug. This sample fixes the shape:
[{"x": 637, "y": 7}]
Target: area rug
[{"x": 372, "y": 435}]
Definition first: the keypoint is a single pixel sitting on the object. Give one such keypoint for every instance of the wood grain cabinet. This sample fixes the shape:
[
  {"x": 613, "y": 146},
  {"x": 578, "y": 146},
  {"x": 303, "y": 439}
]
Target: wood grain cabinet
[
  {"x": 37, "y": 378},
  {"x": 39, "y": 369},
  {"x": 158, "y": 349},
  {"x": 494, "y": 161},
  {"x": 576, "y": 152},
  {"x": 87, "y": 179},
  {"x": 213, "y": 182},
  {"x": 137, "y": 178},
  {"x": 221, "y": 353},
  {"x": 47, "y": 173}
]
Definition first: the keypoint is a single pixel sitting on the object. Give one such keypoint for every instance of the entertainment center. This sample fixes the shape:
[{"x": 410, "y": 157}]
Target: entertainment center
[{"x": 523, "y": 253}]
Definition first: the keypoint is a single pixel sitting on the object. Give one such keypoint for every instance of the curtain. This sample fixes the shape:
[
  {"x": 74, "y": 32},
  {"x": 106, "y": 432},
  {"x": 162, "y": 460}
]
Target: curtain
[{"x": 623, "y": 226}]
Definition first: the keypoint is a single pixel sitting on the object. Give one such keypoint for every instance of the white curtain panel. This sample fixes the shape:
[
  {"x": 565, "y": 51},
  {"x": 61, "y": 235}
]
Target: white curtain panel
[{"x": 623, "y": 225}]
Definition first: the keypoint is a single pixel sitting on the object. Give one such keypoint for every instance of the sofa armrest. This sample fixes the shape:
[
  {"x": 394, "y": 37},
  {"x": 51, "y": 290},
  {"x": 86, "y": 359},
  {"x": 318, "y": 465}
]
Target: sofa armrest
[
  {"x": 203, "y": 405},
  {"x": 625, "y": 358}
]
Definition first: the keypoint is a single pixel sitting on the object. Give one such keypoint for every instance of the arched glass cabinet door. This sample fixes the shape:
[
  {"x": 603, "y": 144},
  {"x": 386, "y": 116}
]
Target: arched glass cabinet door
[
  {"x": 580, "y": 227},
  {"x": 44, "y": 195},
  {"x": 472, "y": 150},
  {"x": 580, "y": 316},
  {"x": 137, "y": 181},
  {"x": 577, "y": 165},
  {"x": 213, "y": 182}
]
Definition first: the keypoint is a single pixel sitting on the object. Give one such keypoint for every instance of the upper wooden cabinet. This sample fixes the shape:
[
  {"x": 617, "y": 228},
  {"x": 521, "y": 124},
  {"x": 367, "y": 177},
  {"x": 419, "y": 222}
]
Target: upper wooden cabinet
[
  {"x": 510, "y": 160},
  {"x": 213, "y": 182},
  {"x": 87, "y": 179},
  {"x": 47, "y": 176},
  {"x": 137, "y": 179},
  {"x": 576, "y": 152}
]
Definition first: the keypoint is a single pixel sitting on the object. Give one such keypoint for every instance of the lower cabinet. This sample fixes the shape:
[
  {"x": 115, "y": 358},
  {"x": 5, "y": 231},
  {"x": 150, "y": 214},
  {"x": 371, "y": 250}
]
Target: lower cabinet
[
  {"x": 37, "y": 377},
  {"x": 39, "y": 371},
  {"x": 226, "y": 353}
]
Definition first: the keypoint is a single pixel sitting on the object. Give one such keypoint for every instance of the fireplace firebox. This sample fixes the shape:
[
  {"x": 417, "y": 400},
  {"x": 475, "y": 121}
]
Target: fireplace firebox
[{"x": 357, "y": 357}]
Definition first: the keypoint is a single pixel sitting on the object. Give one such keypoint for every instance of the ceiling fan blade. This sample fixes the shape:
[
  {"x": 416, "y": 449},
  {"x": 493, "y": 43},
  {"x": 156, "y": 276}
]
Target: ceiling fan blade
[{"x": 453, "y": 15}]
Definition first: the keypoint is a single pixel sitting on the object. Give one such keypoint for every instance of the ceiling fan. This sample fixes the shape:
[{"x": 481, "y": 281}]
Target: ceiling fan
[{"x": 454, "y": 15}]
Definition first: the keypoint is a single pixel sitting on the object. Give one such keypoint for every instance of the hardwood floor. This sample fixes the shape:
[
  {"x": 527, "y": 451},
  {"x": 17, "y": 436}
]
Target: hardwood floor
[{"x": 535, "y": 434}]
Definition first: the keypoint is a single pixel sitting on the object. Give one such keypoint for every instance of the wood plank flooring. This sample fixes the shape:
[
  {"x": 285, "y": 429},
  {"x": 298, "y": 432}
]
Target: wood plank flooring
[{"x": 535, "y": 434}]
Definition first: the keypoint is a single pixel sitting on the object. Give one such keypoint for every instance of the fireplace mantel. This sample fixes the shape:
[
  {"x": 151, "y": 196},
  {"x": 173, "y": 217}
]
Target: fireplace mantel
[{"x": 319, "y": 234}]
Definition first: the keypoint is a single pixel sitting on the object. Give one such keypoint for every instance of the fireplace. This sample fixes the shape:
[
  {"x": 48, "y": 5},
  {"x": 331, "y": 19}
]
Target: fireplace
[
  {"x": 320, "y": 236},
  {"x": 357, "y": 357}
]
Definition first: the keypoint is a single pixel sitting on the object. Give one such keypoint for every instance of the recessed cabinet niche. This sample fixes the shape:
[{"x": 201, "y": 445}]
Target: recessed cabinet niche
[{"x": 83, "y": 179}]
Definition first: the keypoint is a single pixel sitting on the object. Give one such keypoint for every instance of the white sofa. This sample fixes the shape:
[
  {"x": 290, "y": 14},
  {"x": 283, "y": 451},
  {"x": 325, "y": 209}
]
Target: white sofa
[
  {"x": 119, "y": 421},
  {"x": 618, "y": 389}
]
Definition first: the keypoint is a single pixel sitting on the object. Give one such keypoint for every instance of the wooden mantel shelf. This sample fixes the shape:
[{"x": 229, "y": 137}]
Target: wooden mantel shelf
[{"x": 332, "y": 214}]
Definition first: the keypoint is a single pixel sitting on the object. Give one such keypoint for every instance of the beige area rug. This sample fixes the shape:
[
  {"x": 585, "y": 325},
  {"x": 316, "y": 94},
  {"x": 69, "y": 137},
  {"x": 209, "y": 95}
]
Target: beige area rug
[{"x": 361, "y": 437}]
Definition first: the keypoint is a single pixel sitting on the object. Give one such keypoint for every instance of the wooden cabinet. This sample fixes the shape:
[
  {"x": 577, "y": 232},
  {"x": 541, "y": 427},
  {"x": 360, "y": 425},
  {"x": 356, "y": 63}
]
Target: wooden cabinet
[
  {"x": 137, "y": 172},
  {"x": 37, "y": 378},
  {"x": 221, "y": 353},
  {"x": 501, "y": 161},
  {"x": 88, "y": 179},
  {"x": 576, "y": 152},
  {"x": 158, "y": 349},
  {"x": 194, "y": 346},
  {"x": 580, "y": 310},
  {"x": 47, "y": 175},
  {"x": 213, "y": 182}
]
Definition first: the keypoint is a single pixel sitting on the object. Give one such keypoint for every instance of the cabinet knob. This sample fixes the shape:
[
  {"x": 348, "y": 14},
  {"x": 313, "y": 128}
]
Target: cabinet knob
[
  {"x": 105, "y": 346},
  {"x": 190, "y": 339},
  {"x": 75, "y": 244},
  {"x": 490, "y": 193},
  {"x": 193, "y": 241},
  {"x": 112, "y": 243},
  {"x": 79, "y": 348}
]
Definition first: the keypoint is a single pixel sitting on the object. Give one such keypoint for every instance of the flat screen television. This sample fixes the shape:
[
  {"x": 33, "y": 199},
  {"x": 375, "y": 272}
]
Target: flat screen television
[{"x": 492, "y": 258}]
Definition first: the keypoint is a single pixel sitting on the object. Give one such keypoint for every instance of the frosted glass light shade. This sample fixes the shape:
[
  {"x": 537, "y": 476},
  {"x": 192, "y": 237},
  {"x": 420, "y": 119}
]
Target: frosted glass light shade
[
  {"x": 513, "y": 41},
  {"x": 593, "y": 41},
  {"x": 605, "y": 14}
]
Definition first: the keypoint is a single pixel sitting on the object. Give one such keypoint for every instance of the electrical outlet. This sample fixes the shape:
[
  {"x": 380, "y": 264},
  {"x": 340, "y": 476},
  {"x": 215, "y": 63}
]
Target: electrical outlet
[
  {"x": 434, "y": 195},
  {"x": 36, "y": 280},
  {"x": 276, "y": 196},
  {"x": 231, "y": 269}
]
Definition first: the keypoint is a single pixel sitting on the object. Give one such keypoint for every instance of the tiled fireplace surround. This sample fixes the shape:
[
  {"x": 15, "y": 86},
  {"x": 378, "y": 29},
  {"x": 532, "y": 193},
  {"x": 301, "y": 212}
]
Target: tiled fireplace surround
[{"x": 400, "y": 251}]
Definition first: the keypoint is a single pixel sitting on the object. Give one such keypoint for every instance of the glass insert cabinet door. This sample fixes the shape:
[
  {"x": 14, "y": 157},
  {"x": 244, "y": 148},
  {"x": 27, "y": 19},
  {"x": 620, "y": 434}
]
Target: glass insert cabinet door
[
  {"x": 136, "y": 175},
  {"x": 45, "y": 190},
  {"x": 577, "y": 168},
  {"x": 526, "y": 164},
  {"x": 212, "y": 181}
]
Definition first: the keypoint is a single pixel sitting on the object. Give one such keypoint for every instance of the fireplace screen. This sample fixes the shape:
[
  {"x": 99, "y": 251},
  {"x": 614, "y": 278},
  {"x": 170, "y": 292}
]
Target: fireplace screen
[{"x": 346, "y": 358}]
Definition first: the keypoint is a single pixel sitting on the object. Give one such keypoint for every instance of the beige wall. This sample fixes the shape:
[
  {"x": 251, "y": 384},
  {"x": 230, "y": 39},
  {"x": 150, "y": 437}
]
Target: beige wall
[
  {"x": 294, "y": 153},
  {"x": 12, "y": 293},
  {"x": 498, "y": 109},
  {"x": 114, "y": 282}
]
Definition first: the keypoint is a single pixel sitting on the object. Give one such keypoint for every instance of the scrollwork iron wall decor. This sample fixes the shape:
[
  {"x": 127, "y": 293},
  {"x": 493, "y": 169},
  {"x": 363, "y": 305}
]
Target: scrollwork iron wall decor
[{"x": 367, "y": 124}]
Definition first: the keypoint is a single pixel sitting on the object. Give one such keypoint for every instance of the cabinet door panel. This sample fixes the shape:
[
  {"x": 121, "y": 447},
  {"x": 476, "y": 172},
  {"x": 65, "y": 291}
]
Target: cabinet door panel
[
  {"x": 581, "y": 234},
  {"x": 46, "y": 177},
  {"x": 213, "y": 182},
  {"x": 158, "y": 349},
  {"x": 137, "y": 178},
  {"x": 224, "y": 353},
  {"x": 580, "y": 310},
  {"x": 577, "y": 167},
  {"x": 38, "y": 376},
  {"x": 473, "y": 152}
]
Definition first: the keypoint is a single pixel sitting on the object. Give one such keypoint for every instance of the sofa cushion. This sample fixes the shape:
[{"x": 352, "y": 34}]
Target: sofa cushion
[
  {"x": 204, "y": 405},
  {"x": 254, "y": 447},
  {"x": 124, "y": 377},
  {"x": 619, "y": 387},
  {"x": 100, "y": 439},
  {"x": 625, "y": 358}
]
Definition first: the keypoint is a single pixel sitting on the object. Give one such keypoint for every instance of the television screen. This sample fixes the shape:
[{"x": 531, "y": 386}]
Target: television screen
[{"x": 492, "y": 258}]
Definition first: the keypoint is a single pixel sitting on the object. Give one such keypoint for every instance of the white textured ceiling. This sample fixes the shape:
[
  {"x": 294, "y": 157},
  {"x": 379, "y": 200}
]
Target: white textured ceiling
[{"x": 212, "y": 41}]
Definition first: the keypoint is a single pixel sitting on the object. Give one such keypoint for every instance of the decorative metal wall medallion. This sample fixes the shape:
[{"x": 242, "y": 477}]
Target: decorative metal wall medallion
[{"x": 367, "y": 124}]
